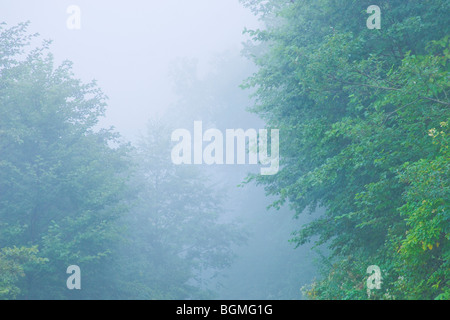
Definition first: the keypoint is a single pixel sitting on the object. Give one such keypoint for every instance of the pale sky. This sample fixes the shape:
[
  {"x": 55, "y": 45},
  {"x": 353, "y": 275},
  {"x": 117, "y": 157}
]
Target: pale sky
[{"x": 128, "y": 45}]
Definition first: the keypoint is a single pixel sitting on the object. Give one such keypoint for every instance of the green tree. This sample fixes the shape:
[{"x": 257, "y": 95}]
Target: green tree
[
  {"x": 61, "y": 181},
  {"x": 13, "y": 262},
  {"x": 355, "y": 107}
]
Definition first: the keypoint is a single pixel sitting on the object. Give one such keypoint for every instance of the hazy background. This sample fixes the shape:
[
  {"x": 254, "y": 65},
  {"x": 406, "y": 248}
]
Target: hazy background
[
  {"x": 128, "y": 46},
  {"x": 180, "y": 60}
]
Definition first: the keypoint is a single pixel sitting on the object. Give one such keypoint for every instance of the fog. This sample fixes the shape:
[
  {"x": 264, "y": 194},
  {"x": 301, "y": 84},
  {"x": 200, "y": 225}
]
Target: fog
[
  {"x": 164, "y": 65},
  {"x": 128, "y": 47},
  {"x": 224, "y": 149}
]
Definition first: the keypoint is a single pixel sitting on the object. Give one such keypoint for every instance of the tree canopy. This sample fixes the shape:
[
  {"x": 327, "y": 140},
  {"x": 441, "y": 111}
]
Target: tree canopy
[{"x": 364, "y": 118}]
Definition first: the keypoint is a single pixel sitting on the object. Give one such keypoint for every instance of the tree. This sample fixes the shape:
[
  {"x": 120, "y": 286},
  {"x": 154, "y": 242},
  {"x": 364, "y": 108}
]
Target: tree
[
  {"x": 61, "y": 180},
  {"x": 13, "y": 262},
  {"x": 175, "y": 241},
  {"x": 355, "y": 107}
]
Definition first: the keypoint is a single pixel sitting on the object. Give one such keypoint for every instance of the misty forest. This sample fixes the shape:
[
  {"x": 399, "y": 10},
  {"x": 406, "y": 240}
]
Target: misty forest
[{"x": 87, "y": 176}]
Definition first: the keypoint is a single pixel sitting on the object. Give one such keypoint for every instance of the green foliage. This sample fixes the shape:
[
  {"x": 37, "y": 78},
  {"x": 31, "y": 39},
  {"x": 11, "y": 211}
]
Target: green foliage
[
  {"x": 355, "y": 107},
  {"x": 426, "y": 246},
  {"x": 13, "y": 262},
  {"x": 61, "y": 183}
]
